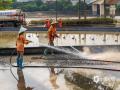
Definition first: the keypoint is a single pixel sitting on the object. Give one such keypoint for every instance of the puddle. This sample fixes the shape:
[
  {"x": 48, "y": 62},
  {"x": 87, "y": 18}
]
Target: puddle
[{"x": 38, "y": 79}]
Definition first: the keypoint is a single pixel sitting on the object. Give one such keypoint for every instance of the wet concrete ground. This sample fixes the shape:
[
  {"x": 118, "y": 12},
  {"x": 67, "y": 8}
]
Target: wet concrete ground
[{"x": 40, "y": 78}]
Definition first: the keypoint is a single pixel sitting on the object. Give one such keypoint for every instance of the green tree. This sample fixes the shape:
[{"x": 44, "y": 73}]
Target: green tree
[
  {"x": 6, "y": 4},
  {"x": 39, "y": 2},
  {"x": 118, "y": 7},
  {"x": 38, "y": 5},
  {"x": 65, "y": 5}
]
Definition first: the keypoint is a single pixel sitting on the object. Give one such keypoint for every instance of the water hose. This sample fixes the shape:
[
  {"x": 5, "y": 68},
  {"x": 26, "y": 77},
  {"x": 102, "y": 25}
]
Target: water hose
[{"x": 12, "y": 65}]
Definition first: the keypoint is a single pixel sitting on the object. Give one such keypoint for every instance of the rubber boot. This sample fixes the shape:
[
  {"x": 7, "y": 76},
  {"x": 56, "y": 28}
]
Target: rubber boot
[
  {"x": 18, "y": 64},
  {"x": 21, "y": 63},
  {"x": 17, "y": 60}
]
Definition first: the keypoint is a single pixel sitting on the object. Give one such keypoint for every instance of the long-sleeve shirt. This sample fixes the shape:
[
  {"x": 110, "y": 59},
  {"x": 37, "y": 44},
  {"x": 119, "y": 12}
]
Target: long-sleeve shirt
[{"x": 20, "y": 43}]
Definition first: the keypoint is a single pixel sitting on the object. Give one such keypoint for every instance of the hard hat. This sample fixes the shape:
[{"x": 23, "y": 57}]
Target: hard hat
[
  {"x": 22, "y": 29},
  {"x": 54, "y": 22}
]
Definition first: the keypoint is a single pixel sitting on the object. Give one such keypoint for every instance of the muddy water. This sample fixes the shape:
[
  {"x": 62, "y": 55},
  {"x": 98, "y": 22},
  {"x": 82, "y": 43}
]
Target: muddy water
[{"x": 7, "y": 39}]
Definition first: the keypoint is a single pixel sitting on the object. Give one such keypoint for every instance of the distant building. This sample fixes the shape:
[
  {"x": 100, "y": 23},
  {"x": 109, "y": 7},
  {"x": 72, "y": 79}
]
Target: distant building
[{"x": 99, "y": 6}]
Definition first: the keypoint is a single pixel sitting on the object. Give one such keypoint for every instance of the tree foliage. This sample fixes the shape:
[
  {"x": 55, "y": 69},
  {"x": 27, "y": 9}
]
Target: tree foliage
[
  {"x": 6, "y": 4},
  {"x": 38, "y": 5},
  {"x": 118, "y": 7}
]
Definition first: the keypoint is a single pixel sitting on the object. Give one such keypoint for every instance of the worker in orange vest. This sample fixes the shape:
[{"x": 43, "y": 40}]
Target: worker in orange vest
[
  {"x": 47, "y": 23},
  {"x": 20, "y": 42},
  {"x": 52, "y": 34},
  {"x": 60, "y": 23}
]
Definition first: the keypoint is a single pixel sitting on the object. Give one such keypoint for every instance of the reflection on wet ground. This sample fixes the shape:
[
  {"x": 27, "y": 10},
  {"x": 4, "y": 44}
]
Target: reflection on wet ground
[
  {"x": 7, "y": 39},
  {"x": 33, "y": 79},
  {"x": 21, "y": 81},
  {"x": 41, "y": 79},
  {"x": 51, "y": 79}
]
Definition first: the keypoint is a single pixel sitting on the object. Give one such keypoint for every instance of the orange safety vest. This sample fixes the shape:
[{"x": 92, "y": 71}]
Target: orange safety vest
[
  {"x": 52, "y": 33},
  {"x": 20, "y": 43}
]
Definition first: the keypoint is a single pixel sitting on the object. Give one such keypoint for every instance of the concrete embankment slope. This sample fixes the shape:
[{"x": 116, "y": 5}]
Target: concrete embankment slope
[{"x": 58, "y": 49}]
